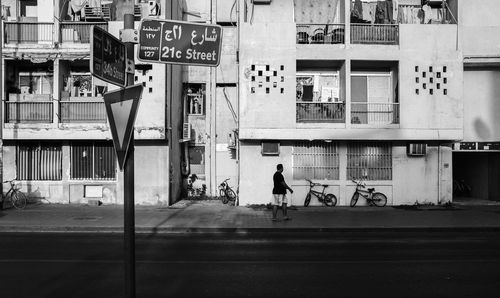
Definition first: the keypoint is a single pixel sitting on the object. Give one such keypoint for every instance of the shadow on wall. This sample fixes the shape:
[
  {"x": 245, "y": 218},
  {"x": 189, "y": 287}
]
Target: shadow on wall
[{"x": 482, "y": 129}]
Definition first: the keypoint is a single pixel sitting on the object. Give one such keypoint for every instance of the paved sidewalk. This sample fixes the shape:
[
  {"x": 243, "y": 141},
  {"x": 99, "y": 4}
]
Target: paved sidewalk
[{"x": 213, "y": 216}]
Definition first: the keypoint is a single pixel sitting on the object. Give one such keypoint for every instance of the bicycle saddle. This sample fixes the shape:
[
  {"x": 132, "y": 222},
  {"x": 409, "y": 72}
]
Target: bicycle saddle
[
  {"x": 371, "y": 189},
  {"x": 325, "y": 185}
]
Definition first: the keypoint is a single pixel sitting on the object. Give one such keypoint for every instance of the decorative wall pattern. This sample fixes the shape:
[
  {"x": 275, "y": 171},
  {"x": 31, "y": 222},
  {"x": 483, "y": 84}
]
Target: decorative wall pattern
[
  {"x": 265, "y": 78},
  {"x": 431, "y": 80}
]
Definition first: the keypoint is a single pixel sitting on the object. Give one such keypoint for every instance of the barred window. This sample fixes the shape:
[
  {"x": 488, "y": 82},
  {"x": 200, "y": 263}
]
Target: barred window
[
  {"x": 39, "y": 161},
  {"x": 93, "y": 161},
  {"x": 369, "y": 161},
  {"x": 315, "y": 160}
]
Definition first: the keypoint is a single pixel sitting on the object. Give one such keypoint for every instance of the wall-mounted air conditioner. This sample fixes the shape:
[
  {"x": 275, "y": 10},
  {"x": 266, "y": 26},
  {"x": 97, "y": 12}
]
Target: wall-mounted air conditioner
[
  {"x": 270, "y": 148},
  {"x": 261, "y": 1},
  {"x": 186, "y": 131},
  {"x": 416, "y": 149}
]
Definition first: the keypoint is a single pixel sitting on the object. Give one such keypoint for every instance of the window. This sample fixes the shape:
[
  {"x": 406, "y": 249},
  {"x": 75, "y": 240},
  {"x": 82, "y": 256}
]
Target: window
[
  {"x": 93, "y": 161},
  {"x": 195, "y": 99},
  {"x": 319, "y": 87},
  {"x": 83, "y": 85},
  {"x": 35, "y": 83},
  {"x": 369, "y": 161},
  {"x": 315, "y": 160},
  {"x": 39, "y": 161},
  {"x": 197, "y": 160}
]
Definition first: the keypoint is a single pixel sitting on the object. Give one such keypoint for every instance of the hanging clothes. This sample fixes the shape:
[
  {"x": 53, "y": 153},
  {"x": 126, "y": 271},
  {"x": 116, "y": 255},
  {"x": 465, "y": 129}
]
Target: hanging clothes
[
  {"x": 427, "y": 13},
  {"x": 366, "y": 12},
  {"x": 395, "y": 11},
  {"x": 388, "y": 12},
  {"x": 357, "y": 10},
  {"x": 380, "y": 12}
]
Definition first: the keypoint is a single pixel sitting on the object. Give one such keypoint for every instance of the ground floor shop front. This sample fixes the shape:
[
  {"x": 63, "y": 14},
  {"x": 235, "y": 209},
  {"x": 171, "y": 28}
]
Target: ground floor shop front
[
  {"x": 389, "y": 167},
  {"x": 85, "y": 171}
]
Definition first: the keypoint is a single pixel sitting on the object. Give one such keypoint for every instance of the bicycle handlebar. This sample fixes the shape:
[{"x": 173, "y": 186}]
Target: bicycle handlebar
[{"x": 314, "y": 183}]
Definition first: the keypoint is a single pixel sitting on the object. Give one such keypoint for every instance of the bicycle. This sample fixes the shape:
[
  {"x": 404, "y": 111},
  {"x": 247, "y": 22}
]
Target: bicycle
[
  {"x": 16, "y": 197},
  {"x": 327, "y": 199},
  {"x": 373, "y": 198},
  {"x": 226, "y": 193}
]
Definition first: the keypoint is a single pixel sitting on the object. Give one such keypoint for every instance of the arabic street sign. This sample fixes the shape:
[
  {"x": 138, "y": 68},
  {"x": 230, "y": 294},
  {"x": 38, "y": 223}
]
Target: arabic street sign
[
  {"x": 107, "y": 57},
  {"x": 121, "y": 108},
  {"x": 165, "y": 41}
]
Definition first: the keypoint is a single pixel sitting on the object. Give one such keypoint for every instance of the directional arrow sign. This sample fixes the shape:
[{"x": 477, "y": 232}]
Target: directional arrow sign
[{"x": 121, "y": 108}]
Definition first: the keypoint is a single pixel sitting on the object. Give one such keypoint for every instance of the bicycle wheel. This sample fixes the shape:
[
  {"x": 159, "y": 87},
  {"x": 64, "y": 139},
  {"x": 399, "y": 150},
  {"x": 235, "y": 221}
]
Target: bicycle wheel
[
  {"x": 19, "y": 200},
  {"x": 230, "y": 194},
  {"x": 354, "y": 199},
  {"x": 379, "y": 199},
  {"x": 330, "y": 200},
  {"x": 308, "y": 200},
  {"x": 223, "y": 196}
]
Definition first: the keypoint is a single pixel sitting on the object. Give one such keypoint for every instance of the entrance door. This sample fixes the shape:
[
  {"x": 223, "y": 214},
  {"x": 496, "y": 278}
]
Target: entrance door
[{"x": 476, "y": 176}]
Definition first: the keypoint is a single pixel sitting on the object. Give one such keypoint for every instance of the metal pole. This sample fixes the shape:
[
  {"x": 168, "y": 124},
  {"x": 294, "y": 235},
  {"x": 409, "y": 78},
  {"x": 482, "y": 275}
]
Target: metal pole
[
  {"x": 1, "y": 109},
  {"x": 128, "y": 195}
]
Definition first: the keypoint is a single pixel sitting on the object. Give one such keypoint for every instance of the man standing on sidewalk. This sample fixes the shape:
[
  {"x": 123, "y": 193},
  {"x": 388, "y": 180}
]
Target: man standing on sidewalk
[{"x": 279, "y": 193}]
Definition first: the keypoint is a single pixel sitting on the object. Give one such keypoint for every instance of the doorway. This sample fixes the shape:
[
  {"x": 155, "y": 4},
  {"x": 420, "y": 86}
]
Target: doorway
[{"x": 476, "y": 177}]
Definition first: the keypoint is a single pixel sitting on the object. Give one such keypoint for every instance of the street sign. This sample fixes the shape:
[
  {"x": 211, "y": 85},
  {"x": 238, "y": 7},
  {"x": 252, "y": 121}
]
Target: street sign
[
  {"x": 177, "y": 42},
  {"x": 121, "y": 108},
  {"x": 107, "y": 57}
]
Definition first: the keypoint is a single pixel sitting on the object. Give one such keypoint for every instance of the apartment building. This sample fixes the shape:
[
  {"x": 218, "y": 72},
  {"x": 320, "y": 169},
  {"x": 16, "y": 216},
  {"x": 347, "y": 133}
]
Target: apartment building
[
  {"x": 402, "y": 94},
  {"x": 56, "y": 139},
  {"x": 390, "y": 92}
]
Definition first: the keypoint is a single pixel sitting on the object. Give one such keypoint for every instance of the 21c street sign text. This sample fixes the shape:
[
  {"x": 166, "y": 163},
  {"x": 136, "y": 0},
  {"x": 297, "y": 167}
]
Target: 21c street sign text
[{"x": 177, "y": 42}]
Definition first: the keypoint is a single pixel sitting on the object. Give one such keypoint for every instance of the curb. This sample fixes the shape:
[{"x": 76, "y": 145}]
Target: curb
[{"x": 196, "y": 230}]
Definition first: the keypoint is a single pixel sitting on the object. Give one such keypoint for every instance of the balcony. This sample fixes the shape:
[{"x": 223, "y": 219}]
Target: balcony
[
  {"x": 27, "y": 32},
  {"x": 28, "y": 112},
  {"x": 79, "y": 32},
  {"x": 93, "y": 13},
  {"x": 374, "y": 113},
  {"x": 332, "y": 112},
  {"x": 375, "y": 34},
  {"x": 90, "y": 110},
  {"x": 320, "y": 33}
]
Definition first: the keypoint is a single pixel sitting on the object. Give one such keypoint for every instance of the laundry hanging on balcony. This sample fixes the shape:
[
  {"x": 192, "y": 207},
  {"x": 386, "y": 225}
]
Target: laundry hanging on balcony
[{"x": 75, "y": 9}]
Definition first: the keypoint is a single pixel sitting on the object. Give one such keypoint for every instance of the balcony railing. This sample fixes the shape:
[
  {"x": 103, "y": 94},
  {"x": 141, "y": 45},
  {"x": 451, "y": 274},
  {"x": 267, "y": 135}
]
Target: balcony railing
[
  {"x": 374, "y": 113},
  {"x": 320, "y": 112},
  {"x": 374, "y": 33},
  {"x": 82, "y": 111},
  {"x": 97, "y": 13},
  {"x": 25, "y": 32},
  {"x": 79, "y": 31},
  {"x": 320, "y": 33},
  {"x": 28, "y": 112}
]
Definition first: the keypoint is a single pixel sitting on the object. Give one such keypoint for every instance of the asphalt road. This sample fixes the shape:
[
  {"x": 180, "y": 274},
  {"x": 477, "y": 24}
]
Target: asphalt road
[{"x": 357, "y": 264}]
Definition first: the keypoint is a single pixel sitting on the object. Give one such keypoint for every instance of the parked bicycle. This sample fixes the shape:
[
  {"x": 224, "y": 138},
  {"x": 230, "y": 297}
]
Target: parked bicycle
[
  {"x": 15, "y": 196},
  {"x": 327, "y": 199},
  {"x": 226, "y": 193},
  {"x": 373, "y": 198}
]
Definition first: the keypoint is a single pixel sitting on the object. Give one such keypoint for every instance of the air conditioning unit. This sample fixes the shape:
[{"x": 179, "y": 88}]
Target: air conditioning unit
[
  {"x": 261, "y": 1},
  {"x": 153, "y": 8},
  {"x": 186, "y": 131},
  {"x": 416, "y": 149},
  {"x": 270, "y": 148}
]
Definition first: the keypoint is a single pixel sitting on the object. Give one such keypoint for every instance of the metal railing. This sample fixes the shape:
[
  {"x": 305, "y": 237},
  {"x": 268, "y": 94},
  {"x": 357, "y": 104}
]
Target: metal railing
[
  {"x": 97, "y": 13},
  {"x": 375, "y": 33},
  {"x": 320, "y": 111},
  {"x": 26, "y": 32},
  {"x": 79, "y": 31},
  {"x": 28, "y": 111},
  {"x": 374, "y": 113},
  {"x": 82, "y": 111},
  {"x": 320, "y": 33}
]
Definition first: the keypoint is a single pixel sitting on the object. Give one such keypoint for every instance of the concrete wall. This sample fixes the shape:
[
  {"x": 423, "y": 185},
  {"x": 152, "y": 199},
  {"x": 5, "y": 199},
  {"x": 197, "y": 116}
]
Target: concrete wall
[
  {"x": 269, "y": 43},
  {"x": 413, "y": 178},
  {"x": 481, "y": 105},
  {"x": 480, "y": 21}
]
